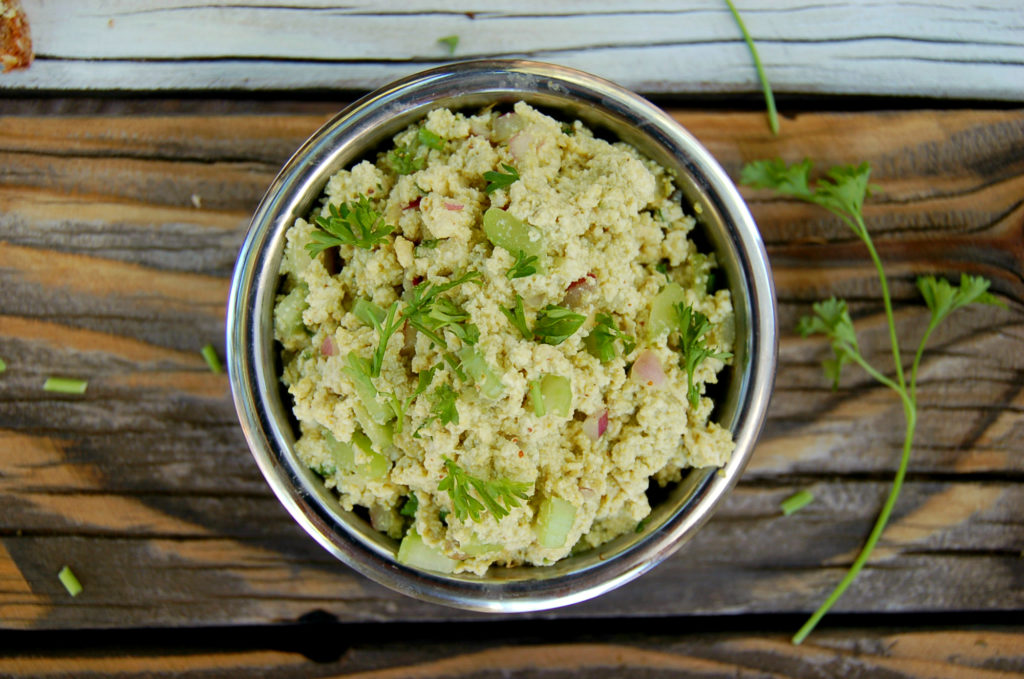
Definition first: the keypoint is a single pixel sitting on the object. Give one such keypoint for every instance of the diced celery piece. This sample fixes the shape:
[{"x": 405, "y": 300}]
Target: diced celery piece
[
  {"x": 663, "y": 309},
  {"x": 365, "y": 390},
  {"x": 476, "y": 548},
  {"x": 380, "y": 434},
  {"x": 288, "y": 313},
  {"x": 513, "y": 234},
  {"x": 557, "y": 391},
  {"x": 414, "y": 552},
  {"x": 375, "y": 465},
  {"x": 365, "y": 310},
  {"x": 481, "y": 373},
  {"x": 342, "y": 454},
  {"x": 554, "y": 521},
  {"x": 540, "y": 408}
]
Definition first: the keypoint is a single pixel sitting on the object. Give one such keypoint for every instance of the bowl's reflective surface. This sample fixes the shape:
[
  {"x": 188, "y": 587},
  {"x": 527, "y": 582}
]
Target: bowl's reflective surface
[{"x": 370, "y": 122}]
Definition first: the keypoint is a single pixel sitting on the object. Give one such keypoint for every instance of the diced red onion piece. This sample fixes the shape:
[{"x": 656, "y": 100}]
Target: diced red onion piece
[
  {"x": 578, "y": 290},
  {"x": 519, "y": 145},
  {"x": 507, "y": 125},
  {"x": 595, "y": 425},
  {"x": 454, "y": 207},
  {"x": 327, "y": 347},
  {"x": 414, "y": 203},
  {"x": 647, "y": 368}
]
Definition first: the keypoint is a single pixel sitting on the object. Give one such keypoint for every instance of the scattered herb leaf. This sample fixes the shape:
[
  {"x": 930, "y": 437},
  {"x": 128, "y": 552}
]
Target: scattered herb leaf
[
  {"x": 449, "y": 41},
  {"x": 410, "y": 506},
  {"x": 497, "y": 496},
  {"x": 693, "y": 325},
  {"x": 517, "y": 317},
  {"x": 355, "y": 223},
  {"x": 523, "y": 266},
  {"x": 431, "y": 139},
  {"x": 601, "y": 340},
  {"x": 555, "y": 324},
  {"x": 498, "y": 180}
]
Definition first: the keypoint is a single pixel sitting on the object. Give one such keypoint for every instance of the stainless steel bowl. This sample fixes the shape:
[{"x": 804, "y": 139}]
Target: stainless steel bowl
[{"x": 370, "y": 122}]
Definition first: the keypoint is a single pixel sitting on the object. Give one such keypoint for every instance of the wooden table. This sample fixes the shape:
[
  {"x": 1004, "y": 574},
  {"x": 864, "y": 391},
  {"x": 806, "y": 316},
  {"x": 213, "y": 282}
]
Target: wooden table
[{"x": 131, "y": 156}]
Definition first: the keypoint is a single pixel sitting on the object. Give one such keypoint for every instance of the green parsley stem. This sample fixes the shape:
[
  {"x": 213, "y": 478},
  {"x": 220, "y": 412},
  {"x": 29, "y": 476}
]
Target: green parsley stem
[
  {"x": 70, "y": 582},
  {"x": 862, "y": 230},
  {"x": 212, "y": 360},
  {"x": 766, "y": 88},
  {"x": 65, "y": 385},
  {"x": 796, "y": 502},
  {"x": 876, "y": 532}
]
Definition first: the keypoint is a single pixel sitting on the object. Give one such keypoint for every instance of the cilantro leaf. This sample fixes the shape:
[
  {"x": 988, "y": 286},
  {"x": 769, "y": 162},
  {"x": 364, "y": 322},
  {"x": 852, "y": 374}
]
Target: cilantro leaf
[
  {"x": 406, "y": 159},
  {"x": 355, "y": 223},
  {"x": 431, "y": 139},
  {"x": 601, "y": 340},
  {"x": 385, "y": 329},
  {"x": 693, "y": 325},
  {"x": 943, "y": 298},
  {"x": 429, "y": 313},
  {"x": 443, "y": 406},
  {"x": 523, "y": 266},
  {"x": 410, "y": 506},
  {"x": 517, "y": 317},
  {"x": 832, "y": 319},
  {"x": 449, "y": 41},
  {"x": 555, "y": 324},
  {"x": 498, "y": 496},
  {"x": 498, "y": 180}
]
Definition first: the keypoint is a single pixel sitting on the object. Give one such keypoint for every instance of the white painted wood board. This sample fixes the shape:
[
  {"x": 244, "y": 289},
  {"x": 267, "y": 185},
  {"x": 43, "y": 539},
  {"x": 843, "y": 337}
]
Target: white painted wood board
[{"x": 936, "y": 49}]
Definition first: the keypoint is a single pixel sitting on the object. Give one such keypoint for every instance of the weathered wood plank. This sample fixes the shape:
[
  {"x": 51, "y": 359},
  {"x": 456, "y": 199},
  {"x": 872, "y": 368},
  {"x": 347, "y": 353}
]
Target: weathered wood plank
[
  {"x": 859, "y": 653},
  {"x": 112, "y": 273},
  {"x": 902, "y": 48}
]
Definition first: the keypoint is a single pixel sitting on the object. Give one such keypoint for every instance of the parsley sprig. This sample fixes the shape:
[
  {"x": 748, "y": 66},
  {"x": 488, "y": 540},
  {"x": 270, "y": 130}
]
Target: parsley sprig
[
  {"x": 842, "y": 192},
  {"x": 554, "y": 324},
  {"x": 601, "y": 340},
  {"x": 355, "y": 223},
  {"x": 517, "y": 317},
  {"x": 429, "y": 313},
  {"x": 693, "y": 326},
  {"x": 523, "y": 266},
  {"x": 499, "y": 180},
  {"x": 498, "y": 496}
]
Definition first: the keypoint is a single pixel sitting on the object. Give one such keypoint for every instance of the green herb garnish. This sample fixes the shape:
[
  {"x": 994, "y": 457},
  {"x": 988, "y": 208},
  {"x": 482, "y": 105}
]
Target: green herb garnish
[
  {"x": 842, "y": 192},
  {"x": 497, "y": 496},
  {"x": 517, "y": 317},
  {"x": 410, "y": 506},
  {"x": 406, "y": 159},
  {"x": 523, "y": 266},
  {"x": 429, "y": 313},
  {"x": 70, "y": 582},
  {"x": 3, "y": 365},
  {"x": 385, "y": 329},
  {"x": 498, "y": 180},
  {"x": 443, "y": 406},
  {"x": 449, "y": 41},
  {"x": 355, "y": 223},
  {"x": 64, "y": 385},
  {"x": 431, "y": 139},
  {"x": 601, "y": 340},
  {"x": 210, "y": 355},
  {"x": 796, "y": 502},
  {"x": 766, "y": 88},
  {"x": 693, "y": 325},
  {"x": 555, "y": 324}
]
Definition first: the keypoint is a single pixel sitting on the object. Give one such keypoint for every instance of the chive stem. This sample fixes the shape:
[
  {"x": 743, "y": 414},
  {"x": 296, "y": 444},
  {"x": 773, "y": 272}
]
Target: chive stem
[
  {"x": 65, "y": 385},
  {"x": 796, "y": 502},
  {"x": 210, "y": 354},
  {"x": 769, "y": 98},
  {"x": 70, "y": 582}
]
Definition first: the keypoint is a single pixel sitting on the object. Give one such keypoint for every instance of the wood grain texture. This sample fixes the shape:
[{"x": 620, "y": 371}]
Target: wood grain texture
[
  {"x": 858, "y": 653},
  {"x": 117, "y": 236},
  {"x": 945, "y": 49}
]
